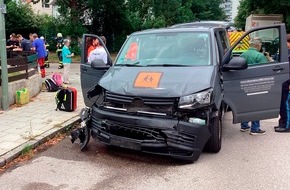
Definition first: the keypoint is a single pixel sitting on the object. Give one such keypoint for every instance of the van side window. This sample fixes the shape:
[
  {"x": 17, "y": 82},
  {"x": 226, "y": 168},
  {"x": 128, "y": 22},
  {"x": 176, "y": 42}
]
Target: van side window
[
  {"x": 217, "y": 52},
  {"x": 263, "y": 47},
  {"x": 224, "y": 40}
]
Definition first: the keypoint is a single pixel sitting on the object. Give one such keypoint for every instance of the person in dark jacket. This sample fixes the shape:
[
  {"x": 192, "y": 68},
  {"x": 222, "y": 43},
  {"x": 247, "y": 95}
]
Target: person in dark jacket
[
  {"x": 59, "y": 46},
  {"x": 284, "y": 121},
  {"x": 24, "y": 44},
  {"x": 12, "y": 43}
]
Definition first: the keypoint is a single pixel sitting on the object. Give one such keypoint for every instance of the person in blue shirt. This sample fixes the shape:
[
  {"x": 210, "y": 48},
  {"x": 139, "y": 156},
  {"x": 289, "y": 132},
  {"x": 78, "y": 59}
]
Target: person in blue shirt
[
  {"x": 66, "y": 60},
  {"x": 39, "y": 47},
  {"x": 284, "y": 121}
]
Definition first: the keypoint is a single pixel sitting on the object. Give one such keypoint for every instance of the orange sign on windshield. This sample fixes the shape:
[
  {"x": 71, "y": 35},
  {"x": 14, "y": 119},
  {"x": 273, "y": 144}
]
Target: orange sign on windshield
[
  {"x": 132, "y": 52},
  {"x": 147, "y": 80}
]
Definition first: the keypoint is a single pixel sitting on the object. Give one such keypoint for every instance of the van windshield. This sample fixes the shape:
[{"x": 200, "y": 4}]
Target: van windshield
[{"x": 166, "y": 49}]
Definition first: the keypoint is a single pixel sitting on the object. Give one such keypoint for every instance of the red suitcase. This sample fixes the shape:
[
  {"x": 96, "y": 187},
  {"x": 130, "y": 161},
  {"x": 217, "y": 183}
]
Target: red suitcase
[
  {"x": 67, "y": 99},
  {"x": 70, "y": 102}
]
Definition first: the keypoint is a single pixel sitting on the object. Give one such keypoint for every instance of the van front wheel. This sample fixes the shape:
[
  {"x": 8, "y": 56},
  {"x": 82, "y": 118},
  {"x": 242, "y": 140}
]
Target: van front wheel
[{"x": 215, "y": 141}]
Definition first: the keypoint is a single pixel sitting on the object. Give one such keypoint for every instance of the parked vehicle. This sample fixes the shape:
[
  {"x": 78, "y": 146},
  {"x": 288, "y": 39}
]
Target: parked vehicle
[
  {"x": 258, "y": 20},
  {"x": 166, "y": 92}
]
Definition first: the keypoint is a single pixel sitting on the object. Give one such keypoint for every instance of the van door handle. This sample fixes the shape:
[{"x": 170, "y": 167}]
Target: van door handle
[
  {"x": 278, "y": 69},
  {"x": 84, "y": 69}
]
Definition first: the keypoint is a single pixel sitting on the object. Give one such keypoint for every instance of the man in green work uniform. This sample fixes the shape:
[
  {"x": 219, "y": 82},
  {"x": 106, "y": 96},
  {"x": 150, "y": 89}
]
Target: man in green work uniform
[{"x": 253, "y": 56}]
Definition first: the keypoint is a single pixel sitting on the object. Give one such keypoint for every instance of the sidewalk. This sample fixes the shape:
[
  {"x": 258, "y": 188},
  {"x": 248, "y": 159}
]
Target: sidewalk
[{"x": 33, "y": 123}]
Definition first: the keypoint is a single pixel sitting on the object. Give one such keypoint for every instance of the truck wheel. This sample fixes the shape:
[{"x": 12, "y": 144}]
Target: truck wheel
[{"x": 215, "y": 141}]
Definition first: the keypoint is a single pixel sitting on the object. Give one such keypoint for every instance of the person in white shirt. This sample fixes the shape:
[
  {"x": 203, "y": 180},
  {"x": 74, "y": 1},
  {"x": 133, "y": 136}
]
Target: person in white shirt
[{"x": 98, "y": 53}]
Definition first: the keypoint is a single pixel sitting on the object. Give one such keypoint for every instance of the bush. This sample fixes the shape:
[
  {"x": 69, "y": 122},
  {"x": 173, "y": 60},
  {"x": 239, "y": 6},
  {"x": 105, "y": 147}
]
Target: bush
[
  {"x": 19, "y": 19},
  {"x": 49, "y": 27}
]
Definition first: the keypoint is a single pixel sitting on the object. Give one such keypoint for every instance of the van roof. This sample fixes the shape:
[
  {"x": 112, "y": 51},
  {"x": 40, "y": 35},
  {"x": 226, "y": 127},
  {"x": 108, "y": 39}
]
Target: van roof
[
  {"x": 171, "y": 29},
  {"x": 223, "y": 24}
]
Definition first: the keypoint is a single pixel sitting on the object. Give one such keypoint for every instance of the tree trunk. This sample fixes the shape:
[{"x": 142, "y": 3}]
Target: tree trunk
[{"x": 74, "y": 9}]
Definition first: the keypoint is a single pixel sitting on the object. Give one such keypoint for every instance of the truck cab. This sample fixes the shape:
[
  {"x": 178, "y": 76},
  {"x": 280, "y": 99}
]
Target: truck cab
[{"x": 167, "y": 89}]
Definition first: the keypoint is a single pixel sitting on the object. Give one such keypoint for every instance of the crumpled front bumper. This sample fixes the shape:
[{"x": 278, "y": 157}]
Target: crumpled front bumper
[{"x": 155, "y": 135}]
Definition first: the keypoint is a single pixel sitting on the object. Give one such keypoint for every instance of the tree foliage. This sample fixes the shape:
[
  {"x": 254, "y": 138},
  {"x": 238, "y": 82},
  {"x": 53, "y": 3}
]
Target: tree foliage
[
  {"x": 19, "y": 18},
  {"x": 157, "y": 13},
  {"x": 207, "y": 10},
  {"x": 248, "y": 7},
  {"x": 116, "y": 19},
  {"x": 113, "y": 19}
]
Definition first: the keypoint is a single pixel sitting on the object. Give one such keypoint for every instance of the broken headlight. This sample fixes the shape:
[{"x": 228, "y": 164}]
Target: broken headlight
[{"x": 196, "y": 100}]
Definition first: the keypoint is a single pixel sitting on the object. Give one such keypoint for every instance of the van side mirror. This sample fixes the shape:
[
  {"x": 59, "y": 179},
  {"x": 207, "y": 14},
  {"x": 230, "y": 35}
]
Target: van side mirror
[
  {"x": 99, "y": 64},
  {"x": 236, "y": 63}
]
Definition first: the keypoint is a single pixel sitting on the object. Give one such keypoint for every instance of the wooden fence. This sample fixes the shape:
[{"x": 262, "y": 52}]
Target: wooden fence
[{"x": 21, "y": 65}]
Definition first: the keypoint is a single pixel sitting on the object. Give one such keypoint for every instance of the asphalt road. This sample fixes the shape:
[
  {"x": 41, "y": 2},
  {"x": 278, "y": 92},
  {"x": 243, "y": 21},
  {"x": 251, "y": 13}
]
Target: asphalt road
[{"x": 245, "y": 162}]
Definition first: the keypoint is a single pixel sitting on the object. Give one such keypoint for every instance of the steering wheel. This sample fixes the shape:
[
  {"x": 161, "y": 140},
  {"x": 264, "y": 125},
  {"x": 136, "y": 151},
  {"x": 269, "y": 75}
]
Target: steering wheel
[{"x": 274, "y": 46}]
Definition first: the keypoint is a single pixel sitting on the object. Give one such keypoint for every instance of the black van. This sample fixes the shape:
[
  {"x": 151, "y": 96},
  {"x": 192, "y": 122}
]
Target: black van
[{"x": 167, "y": 89}]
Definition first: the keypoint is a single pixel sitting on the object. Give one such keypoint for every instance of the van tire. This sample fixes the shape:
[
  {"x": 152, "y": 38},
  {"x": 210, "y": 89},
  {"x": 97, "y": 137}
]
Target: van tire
[{"x": 215, "y": 141}]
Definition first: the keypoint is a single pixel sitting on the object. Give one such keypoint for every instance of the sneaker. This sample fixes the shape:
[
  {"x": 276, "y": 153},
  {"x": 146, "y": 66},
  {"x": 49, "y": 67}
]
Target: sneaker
[
  {"x": 245, "y": 129},
  {"x": 259, "y": 132}
]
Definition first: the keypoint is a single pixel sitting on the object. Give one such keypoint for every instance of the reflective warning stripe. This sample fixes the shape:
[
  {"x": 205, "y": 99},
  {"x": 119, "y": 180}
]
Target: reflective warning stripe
[{"x": 244, "y": 44}]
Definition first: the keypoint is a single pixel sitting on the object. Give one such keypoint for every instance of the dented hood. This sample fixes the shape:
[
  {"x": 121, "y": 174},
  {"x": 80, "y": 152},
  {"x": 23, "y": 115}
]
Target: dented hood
[{"x": 157, "y": 81}]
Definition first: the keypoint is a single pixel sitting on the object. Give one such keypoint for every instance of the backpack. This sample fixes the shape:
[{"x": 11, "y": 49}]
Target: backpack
[
  {"x": 57, "y": 79},
  {"x": 51, "y": 86},
  {"x": 60, "y": 98}
]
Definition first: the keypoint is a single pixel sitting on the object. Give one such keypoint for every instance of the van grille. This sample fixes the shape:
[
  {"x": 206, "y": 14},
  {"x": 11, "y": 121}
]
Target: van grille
[
  {"x": 132, "y": 131},
  {"x": 159, "y": 105}
]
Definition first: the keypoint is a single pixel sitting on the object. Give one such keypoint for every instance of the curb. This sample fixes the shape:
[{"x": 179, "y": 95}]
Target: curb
[{"x": 11, "y": 155}]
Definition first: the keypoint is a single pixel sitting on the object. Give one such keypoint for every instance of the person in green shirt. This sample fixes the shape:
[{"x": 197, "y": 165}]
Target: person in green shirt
[
  {"x": 253, "y": 56},
  {"x": 66, "y": 59}
]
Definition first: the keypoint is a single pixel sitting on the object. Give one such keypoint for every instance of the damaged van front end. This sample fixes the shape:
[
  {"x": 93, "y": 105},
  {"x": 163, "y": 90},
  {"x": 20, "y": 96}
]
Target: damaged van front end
[
  {"x": 165, "y": 126},
  {"x": 158, "y": 98}
]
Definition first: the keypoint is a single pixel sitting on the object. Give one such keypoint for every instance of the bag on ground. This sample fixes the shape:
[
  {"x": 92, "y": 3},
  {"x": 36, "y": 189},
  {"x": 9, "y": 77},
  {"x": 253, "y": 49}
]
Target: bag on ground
[
  {"x": 57, "y": 79},
  {"x": 22, "y": 96},
  {"x": 66, "y": 99},
  {"x": 51, "y": 86}
]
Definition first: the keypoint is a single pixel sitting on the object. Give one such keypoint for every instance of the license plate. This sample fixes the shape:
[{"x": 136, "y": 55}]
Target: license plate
[{"x": 125, "y": 143}]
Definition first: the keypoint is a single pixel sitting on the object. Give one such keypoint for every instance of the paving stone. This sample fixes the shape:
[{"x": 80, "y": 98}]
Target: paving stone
[
  {"x": 8, "y": 118},
  {"x": 2, "y": 134},
  {"x": 3, "y": 151},
  {"x": 9, "y": 145},
  {"x": 21, "y": 124},
  {"x": 23, "y": 140},
  {"x": 18, "y": 130},
  {"x": 11, "y": 137},
  {"x": 23, "y": 119},
  {"x": 4, "y": 128}
]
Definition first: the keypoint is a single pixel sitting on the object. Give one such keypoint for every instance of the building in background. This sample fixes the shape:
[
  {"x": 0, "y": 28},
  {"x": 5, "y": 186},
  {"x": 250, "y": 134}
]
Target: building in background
[
  {"x": 54, "y": 9},
  {"x": 43, "y": 6},
  {"x": 231, "y": 9}
]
